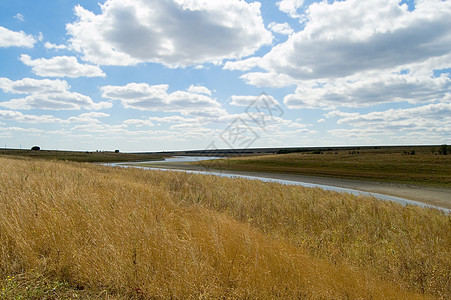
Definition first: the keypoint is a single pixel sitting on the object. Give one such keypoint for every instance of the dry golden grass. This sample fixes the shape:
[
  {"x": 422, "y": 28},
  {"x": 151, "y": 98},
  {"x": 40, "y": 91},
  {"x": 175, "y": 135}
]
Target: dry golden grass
[{"x": 124, "y": 233}]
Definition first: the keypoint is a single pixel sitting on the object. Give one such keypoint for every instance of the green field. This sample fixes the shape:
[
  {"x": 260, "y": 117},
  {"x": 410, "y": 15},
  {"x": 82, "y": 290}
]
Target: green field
[{"x": 424, "y": 168}]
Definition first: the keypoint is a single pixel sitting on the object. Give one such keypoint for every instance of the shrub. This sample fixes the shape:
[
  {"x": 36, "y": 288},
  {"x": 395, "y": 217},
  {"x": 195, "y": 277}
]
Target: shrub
[{"x": 444, "y": 149}]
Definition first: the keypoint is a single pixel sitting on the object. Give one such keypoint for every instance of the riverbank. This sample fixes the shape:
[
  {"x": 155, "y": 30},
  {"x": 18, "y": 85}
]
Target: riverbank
[
  {"x": 440, "y": 197},
  {"x": 419, "y": 169}
]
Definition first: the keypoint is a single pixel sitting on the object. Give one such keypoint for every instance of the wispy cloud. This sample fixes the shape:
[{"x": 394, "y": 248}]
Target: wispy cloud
[{"x": 19, "y": 17}]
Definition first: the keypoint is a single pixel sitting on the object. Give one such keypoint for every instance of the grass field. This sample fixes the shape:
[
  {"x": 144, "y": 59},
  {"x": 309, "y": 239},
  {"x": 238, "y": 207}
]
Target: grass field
[
  {"x": 80, "y": 156},
  {"x": 80, "y": 230},
  {"x": 394, "y": 165}
]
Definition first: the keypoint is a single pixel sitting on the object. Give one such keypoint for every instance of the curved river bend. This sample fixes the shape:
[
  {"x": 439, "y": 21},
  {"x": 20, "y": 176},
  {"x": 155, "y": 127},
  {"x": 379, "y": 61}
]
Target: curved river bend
[{"x": 183, "y": 159}]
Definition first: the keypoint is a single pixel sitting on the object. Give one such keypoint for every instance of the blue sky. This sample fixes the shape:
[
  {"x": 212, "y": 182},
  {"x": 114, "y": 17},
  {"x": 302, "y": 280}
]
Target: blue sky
[{"x": 152, "y": 75}]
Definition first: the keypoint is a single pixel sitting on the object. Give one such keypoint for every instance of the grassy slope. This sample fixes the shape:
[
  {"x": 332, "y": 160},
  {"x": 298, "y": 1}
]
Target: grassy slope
[
  {"x": 421, "y": 169},
  {"x": 79, "y": 229}
]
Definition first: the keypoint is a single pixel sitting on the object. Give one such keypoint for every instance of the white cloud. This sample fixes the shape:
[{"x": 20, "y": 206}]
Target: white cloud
[
  {"x": 19, "y": 17},
  {"x": 260, "y": 101},
  {"x": 46, "y": 94},
  {"x": 369, "y": 52},
  {"x": 417, "y": 124},
  {"x": 242, "y": 65},
  {"x": 427, "y": 67},
  {"x": 361, "y": 136},
  {"x": 156, "y": 98},
  {"x": 281, "y": 28},
  {"x": 91, "y": 117},
  {"x": 63, "y": 101},
  {"x": 370, "y": 89},
  {"x": 103, "y": 129},
  {"x": 31, "y": 86},
  {"x": 361, "y": 36},
  {"x": 174, "y": 119},
  {"x": 49, "y": 45},
  {"x": 61, "y": 66},
  {"x": 10, "y": 38},
  {"x": 16, "y": 116},
  {"x": 10, "y": 131},
  {"x": 290, "y": 7},
  {"x": 94, "y": 114},
  {"x": 174, "y": 32},
  {"x": 197, "y": 89},
  {"x": 439, "y": 112},
  {"x": 138, "y": 122},
  {"x": 274, "y": 80}
]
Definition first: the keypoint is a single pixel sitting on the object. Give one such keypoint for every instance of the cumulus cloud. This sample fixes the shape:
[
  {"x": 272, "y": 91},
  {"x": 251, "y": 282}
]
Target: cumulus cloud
[
  {"x": 438, "y": 112},
  {"x": 31, "y": 86},
  {"x": 260, "y": 101},
  {"x": 93, "y": 114},
  {"x": 361, "y": 36},
  {"x": 370, "y": 89},
  {"x": 422, "y": 123},
  {"x": 369, "y": 52},
  {"x": 281, "y": 28},
  {"x": 290, "y": 7},
  {"x": 274, "y": 80},
  {"x": 16, "y": 116},
  {"x": 61, "y": 66},
  {"x": 10, "y": 38},
  {"x": 174, "y": 119},
  {"x": 138, "y": 122},
  {"x": 242, "y": 65},
  {"x": 174, "y": 32},
  {"x": 156, "y": 98},
  {"x": 49, "y": 45},
  {"x": 198, "y": 89},
  {"x": 46, "y": 94},
  {"x": 14, "y": 130},
  {"x": 91, "y": 117},
  {"x": 103, "y": 129}
]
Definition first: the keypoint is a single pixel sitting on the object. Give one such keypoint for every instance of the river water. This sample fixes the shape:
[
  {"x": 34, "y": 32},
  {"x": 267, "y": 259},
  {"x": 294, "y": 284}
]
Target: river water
[{"x": 182, "y": 159}]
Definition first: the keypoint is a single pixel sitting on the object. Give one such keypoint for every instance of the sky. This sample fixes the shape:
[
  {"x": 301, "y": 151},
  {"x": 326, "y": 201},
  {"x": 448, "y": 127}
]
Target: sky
[{"x": 162, "y": 75}]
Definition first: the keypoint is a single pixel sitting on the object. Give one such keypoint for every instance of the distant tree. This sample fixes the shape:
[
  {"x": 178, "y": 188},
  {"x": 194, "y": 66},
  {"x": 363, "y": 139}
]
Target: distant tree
[
  {"x": 444, "y": 149},
  {"x": 116, "y": 151},
  {"x": 35, "y": 148}
]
